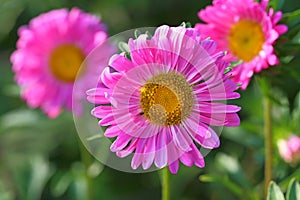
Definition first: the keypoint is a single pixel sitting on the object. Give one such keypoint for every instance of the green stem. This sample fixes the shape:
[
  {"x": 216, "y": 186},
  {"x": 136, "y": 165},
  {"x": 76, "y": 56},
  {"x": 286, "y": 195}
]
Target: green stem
[
  {"x": 165, "y": 183},
  {"x": 268, "y": 141},
  {"x": 87, "y": 160}
]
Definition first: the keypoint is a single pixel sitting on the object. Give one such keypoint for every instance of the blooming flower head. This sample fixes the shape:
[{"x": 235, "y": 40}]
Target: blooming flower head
[
  {"x": 247, "y": 31},
  {"x": 163, "y": 95},
  {"x": 289, "y": 149},
  {"x": 50, "y": 51}
]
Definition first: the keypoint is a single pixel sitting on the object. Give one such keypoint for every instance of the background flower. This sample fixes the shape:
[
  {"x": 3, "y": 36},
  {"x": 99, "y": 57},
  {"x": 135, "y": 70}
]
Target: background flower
[
  {"x": 163, "y": 97},
  {"x": 289, "y": 149},
  {"x": 247, "y": 31},
  {"x": 49, "y": 54}
]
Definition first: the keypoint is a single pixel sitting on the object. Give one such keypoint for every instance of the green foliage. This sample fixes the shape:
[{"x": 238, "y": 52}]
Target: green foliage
[
  {"x": 234, "y": 188},
  {"x": 293, "y": 191},
  {"x": 10, "y": 10},
  {"x": 124, "y": 47},
  {"x": 186, "y": 24},
  {"x": 292, "y": 18},
  {"x": 276, "y": 4},
  {"x": 137, "y": 33},
  {"x": 274, "y": 192}
]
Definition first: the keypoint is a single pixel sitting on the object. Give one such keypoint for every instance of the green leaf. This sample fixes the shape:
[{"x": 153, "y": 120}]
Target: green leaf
[
  {"x": 291, "y": 18},
  {"x": 124, "y": 47},
  {"x": 276, "y": 4},
  {"x": 296, "y": 118},
  {"x": 292, "y": 70},
  {"x": 95, "y": 169},
  {"x": 234, "y": 188},
  {"x": 232, "y": 65},
  {"x": 274, "y": 192},
  {"x": 10, "y": 10},
  {"x": 79, "y": 186},
  {"x": 293, "y": 192},
  {"x": 290, "y": 49},
  {"x": 227, "y": 69},
  {"x": 127, "y": 55},
  {"x": 232, "y": 167},
  {"x": 264, "y": 85},
  {"x": 32, "y": 177},
  {"x": 60, "y": 183},
  {"x": 137, "y": 33},
  {"x": 149, "y": 35},
  {"x": 5, "y": 194},
  {"x": 186, "y": 24},
  {"x": 19, "y": 118},
  {"x": 296, "y": 39},
  {"x": 236, "y": 63},
  {"x": 94, "y": 137}
]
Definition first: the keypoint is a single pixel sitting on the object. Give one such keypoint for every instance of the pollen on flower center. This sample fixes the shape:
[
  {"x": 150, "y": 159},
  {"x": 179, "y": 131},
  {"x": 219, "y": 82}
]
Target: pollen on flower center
[
  {"x": 65, "y": 62},
  {"x": 246, "y": 39},
  {"x": 166, "y": 99}
]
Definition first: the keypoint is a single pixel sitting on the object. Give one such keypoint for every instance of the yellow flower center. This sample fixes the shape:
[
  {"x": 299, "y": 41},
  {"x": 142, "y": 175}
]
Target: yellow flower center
[
  {"x": 65, "y": 62},
  {"x": 166, "y": 99},
  {"x": 246, "y": 39}
]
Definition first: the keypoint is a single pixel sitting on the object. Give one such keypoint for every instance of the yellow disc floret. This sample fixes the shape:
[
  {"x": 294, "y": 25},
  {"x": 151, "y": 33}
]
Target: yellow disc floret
[
  {"x": 65, "y": 62},
  {"x": 166, "y": 99},
  {"x": 246, "y": 39}
]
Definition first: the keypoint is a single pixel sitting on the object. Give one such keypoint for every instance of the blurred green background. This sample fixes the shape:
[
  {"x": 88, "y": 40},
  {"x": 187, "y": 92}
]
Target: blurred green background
[{"x": 40, "y": 157}]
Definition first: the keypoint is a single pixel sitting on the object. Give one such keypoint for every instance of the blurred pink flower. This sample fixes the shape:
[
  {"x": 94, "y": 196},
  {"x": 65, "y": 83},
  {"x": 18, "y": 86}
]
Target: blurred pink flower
[
  {"x": 290, "y": 149},
  {"x": 165, "y": 96},
  {"x": 50, "y": 51},
  {"x": 247, "y": 31}
]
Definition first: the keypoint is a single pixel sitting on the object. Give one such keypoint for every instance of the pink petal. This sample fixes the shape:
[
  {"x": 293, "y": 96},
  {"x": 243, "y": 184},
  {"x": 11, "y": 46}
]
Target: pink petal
[
  {"x": 107, "y": 120},
  {"x": 276, "y": 17},
  {"x": 110, "y": 79},
  {"x": 121, "y": 142},
  {"x": 281, "y": 29},
  {"x": 138, "y": 155},
  {"x": 101, "y": 111},
  {"x": 273, "y": 60},
  {"x": 232, "y": 119},
  {"x": 98, "y": 96},
  {"x": 174, "y": 166},
  {"x": 112, "y": 131},
  {"x": 149, "y": 153},
  {"x": 161, "y": 154},
  {"x": 129, "y": 149},
  {"x": 120, "y": 63},
  {"x": 202, "y": 134},
  {"x": 209, "y": 45},
  {"x": 181, "y": 138}
]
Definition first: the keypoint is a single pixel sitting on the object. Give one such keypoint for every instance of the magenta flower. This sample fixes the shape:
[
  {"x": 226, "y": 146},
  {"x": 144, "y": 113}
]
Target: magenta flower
[
  {"x": 246, "y": 31},
  {"x": 165, "y": 97},
  {"x": 49, "y": 53},
  {"x": 289, "y": 149}
]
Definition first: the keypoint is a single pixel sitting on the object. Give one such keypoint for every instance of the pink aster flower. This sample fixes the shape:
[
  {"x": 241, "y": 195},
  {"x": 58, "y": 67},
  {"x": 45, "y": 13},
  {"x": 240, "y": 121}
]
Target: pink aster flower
[
  {"x": 247, "y": 31},
  {"x": 161, "y": 102},
  {"x": 290, "y": 149},
  {"x": 49, "y": 53}
]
